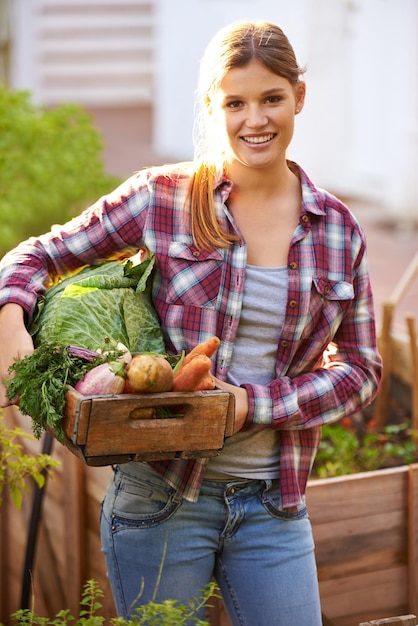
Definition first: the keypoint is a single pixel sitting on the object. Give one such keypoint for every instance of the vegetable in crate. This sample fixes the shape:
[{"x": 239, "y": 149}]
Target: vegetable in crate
[
  {"x": 149, "y": 373},
  {"x": 195, "y": 375},
  {"x": 41, "y": 379},
  {"x": 104, "y": 379},
  {"x": 192, "y": 373},
  {"x": 208, "y": 347},
  {"x": 109, "y": 301}
]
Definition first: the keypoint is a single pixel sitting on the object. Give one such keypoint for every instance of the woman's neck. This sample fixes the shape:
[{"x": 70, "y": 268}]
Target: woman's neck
[
  {"x": 266, "y": 214},
  {"x": 264, "y": 181}
]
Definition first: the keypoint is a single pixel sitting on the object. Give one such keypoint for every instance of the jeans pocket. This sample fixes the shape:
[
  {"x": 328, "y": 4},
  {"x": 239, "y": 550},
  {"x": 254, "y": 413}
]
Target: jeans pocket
[
  {"x": 272, "y": 502},
  {"x": 142, "y": 501}
]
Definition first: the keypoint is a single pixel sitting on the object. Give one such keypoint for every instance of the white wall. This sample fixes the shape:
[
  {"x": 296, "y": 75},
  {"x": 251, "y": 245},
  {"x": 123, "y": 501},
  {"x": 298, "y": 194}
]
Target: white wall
[
  {"x": 384, "y": 104},
  {"x": 23, "y": 71},
  {"x": 96, "y": 52}
]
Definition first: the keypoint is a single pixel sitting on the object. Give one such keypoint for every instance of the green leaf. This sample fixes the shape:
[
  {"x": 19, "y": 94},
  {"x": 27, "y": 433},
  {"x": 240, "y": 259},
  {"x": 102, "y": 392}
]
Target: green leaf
[
  {"x": 16, "y": 496},
  {"x": 99, "y": 303}
]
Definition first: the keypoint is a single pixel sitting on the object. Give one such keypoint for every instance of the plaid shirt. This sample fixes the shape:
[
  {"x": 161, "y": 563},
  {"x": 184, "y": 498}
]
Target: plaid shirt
[{"x": 198, "y": 293}]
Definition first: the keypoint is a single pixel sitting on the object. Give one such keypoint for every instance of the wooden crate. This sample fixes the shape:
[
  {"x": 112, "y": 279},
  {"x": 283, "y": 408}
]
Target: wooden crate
[{"x": 103, "y": 430}]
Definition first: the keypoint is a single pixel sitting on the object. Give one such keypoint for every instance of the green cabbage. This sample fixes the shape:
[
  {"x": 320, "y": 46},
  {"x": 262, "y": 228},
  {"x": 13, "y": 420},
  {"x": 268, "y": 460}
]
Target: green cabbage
[{"x": 100, "y": 306}]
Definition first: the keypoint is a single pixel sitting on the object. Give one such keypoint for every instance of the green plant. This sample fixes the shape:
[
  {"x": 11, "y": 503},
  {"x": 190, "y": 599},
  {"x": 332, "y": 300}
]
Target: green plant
[
  {"x": 167, "y": 613},
  {"x": 40, "y": 380},
  {"x": 347, "y": 449},
  {"x": 16, "y": 467},
  {"x": 50, "y": 165}
]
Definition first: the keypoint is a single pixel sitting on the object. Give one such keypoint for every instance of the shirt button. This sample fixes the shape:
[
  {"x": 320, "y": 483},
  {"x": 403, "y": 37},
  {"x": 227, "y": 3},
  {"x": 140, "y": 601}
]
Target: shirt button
[
  {"x": 284, "y": 343},
  {"x": 305, "y": 218},
  {"x": 327, "y": 289},
  {"x": 293, "y": 265},
  {"x": 292, "y": 304},
  {"x": 196, "y": 253}
]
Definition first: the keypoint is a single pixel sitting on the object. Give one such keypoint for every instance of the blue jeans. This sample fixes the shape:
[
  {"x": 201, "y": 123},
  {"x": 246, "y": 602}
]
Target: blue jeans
[{"x": 159, "y": 546}]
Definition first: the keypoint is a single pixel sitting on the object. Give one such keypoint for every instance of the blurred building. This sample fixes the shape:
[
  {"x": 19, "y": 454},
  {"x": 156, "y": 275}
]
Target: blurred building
[
  {"x": 358, "y": 133},
  {"x": 89, "y": 51}
]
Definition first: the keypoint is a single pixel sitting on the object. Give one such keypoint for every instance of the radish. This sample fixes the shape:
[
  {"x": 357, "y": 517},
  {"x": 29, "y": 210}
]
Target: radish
[{"x": 104, "y": 379}]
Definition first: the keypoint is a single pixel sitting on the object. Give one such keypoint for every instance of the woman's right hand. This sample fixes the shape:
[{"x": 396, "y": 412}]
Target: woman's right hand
[
  {"x": 241, "y": 402},
  {"x": 15, "y": 343}
]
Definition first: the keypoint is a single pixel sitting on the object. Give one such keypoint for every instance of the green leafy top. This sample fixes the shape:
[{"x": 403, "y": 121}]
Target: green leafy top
[
  {"x": 108, "y": 301},
  {"x": 40, "y": 382}
]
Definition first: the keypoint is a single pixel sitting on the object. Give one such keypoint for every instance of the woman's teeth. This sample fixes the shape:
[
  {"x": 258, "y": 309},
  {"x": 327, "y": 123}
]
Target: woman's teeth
[{"x": 260, "y": 139}]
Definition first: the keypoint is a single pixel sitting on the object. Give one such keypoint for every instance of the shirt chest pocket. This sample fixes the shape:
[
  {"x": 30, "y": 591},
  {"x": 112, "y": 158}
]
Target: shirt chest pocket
[
  {"x": 333, "y": 290},
  {"x": 193, "y": 276},
  {"x": 328, "y": 303}
]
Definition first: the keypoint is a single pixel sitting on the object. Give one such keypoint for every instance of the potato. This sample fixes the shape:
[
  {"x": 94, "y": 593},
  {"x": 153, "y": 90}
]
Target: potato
[{"x": 147, "y": 373}]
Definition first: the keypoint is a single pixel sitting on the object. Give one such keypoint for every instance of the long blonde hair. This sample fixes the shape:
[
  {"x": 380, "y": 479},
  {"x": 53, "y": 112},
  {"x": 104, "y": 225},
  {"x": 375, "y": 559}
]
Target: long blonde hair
[{"x": 233, "y": 46}]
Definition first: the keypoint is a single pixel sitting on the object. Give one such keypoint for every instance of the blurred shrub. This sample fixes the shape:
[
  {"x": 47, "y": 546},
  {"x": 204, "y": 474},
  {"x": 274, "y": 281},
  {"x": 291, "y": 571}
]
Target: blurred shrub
[
  {"x": 16, "y": 466},
  {"x": 50, "y": 166}
]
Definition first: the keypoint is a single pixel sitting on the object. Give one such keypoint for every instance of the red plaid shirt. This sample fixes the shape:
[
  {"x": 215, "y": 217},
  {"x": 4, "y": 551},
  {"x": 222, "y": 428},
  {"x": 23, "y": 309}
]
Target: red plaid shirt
[{"x": 199, "y": 293}]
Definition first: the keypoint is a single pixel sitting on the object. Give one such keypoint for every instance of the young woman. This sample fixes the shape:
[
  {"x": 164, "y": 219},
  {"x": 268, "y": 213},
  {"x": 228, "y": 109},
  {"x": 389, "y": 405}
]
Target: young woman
[{"x": 249, "y": 250}]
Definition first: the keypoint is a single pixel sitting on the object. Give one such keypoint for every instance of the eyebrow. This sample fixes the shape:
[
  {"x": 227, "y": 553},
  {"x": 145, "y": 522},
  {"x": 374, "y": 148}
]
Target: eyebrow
[{"x": 263, "y": 93}]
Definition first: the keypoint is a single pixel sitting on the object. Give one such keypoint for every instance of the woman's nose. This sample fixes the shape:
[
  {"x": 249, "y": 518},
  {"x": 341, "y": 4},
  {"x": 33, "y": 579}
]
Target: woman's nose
[{"x": 256, "y": 117}]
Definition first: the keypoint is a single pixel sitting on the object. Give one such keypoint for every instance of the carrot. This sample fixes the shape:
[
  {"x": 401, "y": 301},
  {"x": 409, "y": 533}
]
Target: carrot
[
  {"x": 194, "y": 375},
  {"x": 207, "y": 348}
]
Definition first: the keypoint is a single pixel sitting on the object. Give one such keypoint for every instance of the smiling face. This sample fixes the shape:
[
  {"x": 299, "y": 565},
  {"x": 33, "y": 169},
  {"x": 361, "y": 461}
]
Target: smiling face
[{"x": 255, "y": 110}]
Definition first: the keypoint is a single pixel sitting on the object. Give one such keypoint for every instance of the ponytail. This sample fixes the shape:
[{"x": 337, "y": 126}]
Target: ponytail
[{"x": 206, "y": 229}]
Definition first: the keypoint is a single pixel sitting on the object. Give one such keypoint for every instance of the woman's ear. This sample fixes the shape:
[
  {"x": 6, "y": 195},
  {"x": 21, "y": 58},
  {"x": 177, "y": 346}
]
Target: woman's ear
[{"x": 300, "y": 93}]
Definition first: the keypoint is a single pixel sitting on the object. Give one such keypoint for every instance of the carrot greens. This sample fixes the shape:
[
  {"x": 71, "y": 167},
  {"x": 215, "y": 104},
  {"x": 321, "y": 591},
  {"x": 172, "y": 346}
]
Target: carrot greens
[{"x": 40, "y": 383}]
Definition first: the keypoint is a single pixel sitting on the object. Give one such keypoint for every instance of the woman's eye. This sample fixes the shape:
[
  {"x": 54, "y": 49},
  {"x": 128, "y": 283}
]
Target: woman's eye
[
  {"x": 235, "y": 104},
  {"x": 274, "y": 99}
]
